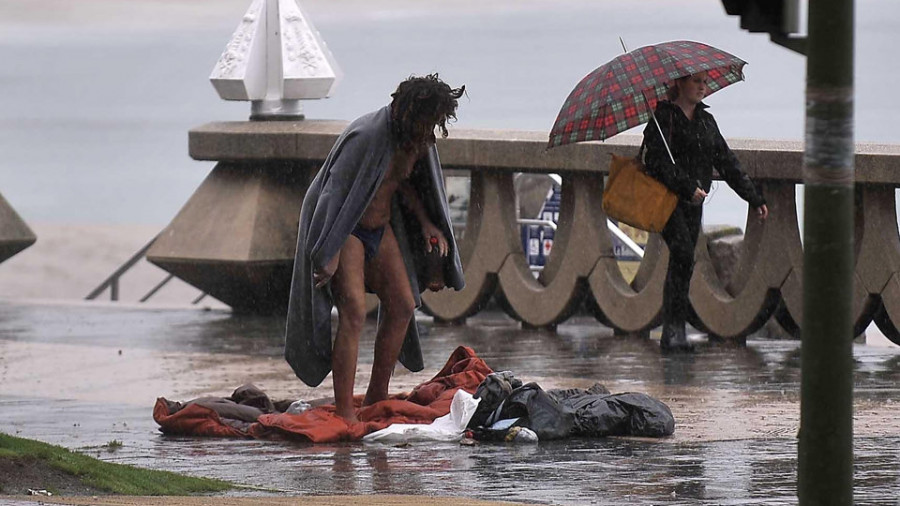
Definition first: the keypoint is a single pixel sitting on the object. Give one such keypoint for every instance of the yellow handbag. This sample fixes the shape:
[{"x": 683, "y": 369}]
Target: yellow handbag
[{"x": 633, "y": 197}]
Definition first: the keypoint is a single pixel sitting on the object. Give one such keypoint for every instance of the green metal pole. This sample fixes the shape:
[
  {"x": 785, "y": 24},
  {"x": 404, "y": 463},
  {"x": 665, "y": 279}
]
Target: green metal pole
[{"x": 826, "y": 397}]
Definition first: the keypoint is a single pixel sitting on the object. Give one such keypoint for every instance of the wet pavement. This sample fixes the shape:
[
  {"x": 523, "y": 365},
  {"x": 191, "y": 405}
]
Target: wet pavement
[{"x": 82, "y": 375}]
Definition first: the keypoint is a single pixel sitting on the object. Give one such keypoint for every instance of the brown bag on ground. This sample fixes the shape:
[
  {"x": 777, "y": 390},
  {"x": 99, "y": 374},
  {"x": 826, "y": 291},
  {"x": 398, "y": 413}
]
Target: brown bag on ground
[{"x": 633, "y": 197}]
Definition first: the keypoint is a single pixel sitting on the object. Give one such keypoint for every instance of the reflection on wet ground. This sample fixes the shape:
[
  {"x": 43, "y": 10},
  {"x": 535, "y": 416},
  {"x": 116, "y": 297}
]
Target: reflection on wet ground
[{"x": 708, "y": 461}]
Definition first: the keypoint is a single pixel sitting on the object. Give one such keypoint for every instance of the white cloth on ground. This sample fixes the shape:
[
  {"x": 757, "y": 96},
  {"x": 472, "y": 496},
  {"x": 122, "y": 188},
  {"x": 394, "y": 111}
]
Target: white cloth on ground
[{"x": 449, "y": 427}]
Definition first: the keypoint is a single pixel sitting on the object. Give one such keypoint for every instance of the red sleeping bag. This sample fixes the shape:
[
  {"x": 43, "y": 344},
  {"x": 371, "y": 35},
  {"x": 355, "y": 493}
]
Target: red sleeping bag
[{"x": 428, "y": 401}]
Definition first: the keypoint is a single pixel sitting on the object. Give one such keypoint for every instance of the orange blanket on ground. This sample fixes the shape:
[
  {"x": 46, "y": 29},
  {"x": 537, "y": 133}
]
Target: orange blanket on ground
[{"x": 428, "y": 401}]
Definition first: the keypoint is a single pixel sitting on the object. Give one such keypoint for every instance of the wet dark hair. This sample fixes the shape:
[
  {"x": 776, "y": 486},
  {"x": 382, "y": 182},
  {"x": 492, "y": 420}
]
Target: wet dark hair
[
  {"x": 673, "y": 91},
  {"x": 420, "y": 104}
]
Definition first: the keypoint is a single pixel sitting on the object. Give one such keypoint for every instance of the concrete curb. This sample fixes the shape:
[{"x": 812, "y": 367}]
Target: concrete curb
[{"x": 331, "y": 500}]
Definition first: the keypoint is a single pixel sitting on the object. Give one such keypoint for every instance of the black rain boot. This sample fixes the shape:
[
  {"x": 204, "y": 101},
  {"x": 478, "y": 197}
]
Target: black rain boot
[{"x": 674, "y": 338}]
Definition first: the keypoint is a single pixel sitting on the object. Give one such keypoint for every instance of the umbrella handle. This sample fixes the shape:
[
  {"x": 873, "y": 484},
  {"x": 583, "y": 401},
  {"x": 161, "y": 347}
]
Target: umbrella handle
[
  {"x": 659, "y": 128},
  {"x": 666, "y": 144}
]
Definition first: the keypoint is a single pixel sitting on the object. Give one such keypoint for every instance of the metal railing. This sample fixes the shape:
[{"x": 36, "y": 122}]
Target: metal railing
[{"x": 113, "y": 280}]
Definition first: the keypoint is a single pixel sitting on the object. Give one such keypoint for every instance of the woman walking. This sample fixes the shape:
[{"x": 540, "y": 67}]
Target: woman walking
[{"x": 697, "y": 147}]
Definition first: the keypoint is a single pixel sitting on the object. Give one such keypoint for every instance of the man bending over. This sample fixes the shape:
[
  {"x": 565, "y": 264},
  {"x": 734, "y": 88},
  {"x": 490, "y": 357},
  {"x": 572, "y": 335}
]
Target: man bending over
[{"x": 370, "y": 216}]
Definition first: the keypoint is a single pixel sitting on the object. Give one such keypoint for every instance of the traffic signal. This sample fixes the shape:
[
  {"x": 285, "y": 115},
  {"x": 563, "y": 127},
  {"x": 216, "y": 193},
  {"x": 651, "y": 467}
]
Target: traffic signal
[
  {"x": 766, "y": 16},
  {"x": 779, "y": 18}
]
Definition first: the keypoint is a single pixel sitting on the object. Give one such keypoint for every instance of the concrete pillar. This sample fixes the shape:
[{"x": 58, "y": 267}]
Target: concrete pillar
[
  {"x": 236, "y": 236},
  {"x": 14, "y": 233}
]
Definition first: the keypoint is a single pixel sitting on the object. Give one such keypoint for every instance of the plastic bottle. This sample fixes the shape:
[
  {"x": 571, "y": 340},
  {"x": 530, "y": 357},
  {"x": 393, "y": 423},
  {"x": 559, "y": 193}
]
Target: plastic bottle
[
  {"x": 521, "y": 435},
  {"x": 298, "y": 407}
]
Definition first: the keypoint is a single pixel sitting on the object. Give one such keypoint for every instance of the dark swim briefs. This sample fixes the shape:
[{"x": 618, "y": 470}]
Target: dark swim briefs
[{"x": 371, "y": 239}]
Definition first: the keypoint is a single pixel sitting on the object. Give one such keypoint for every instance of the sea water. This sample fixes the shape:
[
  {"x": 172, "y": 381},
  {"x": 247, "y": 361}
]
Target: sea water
[{"x": 98, "y": 95}]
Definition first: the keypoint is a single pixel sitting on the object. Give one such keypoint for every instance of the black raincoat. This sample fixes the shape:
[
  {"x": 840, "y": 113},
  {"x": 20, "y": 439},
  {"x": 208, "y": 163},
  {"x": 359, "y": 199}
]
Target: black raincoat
[{"x": 698, "y": 148}]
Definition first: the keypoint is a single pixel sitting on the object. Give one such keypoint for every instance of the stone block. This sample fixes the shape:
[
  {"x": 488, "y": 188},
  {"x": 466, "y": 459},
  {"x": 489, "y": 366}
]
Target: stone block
[
  {"x": 236, "y": 236},
  {"x": 725, "y": 254}
]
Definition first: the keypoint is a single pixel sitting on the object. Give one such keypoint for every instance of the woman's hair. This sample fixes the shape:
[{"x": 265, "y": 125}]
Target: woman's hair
[
  {"x": 420, "y": 104},
  {"x": 673, "y": 91}
]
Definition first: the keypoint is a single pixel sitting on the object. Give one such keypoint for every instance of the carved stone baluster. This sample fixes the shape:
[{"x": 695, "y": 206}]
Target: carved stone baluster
[
  {"x": 771, "y": 251},
  {"x": 491, "y": 235},
  {"x": 628, "y": 307},
  {"x": 576, "y": 248},
  {"x": 877, "y": 261}
]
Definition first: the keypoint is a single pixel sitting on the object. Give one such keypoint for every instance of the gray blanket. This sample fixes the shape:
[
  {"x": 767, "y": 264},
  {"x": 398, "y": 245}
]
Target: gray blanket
[{"x": 334, "y": 203}]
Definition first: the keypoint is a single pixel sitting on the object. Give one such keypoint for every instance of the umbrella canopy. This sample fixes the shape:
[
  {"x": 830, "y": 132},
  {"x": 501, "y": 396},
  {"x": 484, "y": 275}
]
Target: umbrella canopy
[{"x": 623, "y": 93}]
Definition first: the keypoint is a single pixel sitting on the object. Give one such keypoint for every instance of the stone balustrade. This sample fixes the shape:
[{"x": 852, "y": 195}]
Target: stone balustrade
[{"x": 235, "y": 238}]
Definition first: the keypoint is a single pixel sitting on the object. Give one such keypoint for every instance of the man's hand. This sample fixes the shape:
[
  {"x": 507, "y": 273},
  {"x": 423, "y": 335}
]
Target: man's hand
[
  {"x": 699, "y": 196},
  {"x": 763, "y": 212},
  {"x": 429, "y": 230},
  {"x": 323, "y": 276}
]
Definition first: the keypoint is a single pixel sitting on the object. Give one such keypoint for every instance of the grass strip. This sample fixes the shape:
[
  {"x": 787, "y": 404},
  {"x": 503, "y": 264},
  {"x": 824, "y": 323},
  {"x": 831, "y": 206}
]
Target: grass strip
[{"x": 115, "y": 478}]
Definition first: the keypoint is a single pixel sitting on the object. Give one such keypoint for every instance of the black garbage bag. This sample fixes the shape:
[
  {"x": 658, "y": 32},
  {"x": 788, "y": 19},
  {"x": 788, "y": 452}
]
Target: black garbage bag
[
  {"x": 504, "y": 399},
  {"x": 560, "y": 393},
  {"x": 599, "y": 413},
  {"x": 539, "y": 412},
  {"x": 555, "y": 414},
  {"x": 495, "y": 388}
]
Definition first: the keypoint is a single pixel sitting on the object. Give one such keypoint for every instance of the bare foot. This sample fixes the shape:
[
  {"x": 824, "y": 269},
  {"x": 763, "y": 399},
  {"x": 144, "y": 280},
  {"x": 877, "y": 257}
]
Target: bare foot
[
  {"x": 348, "y": 417},
  {"x": 372, "y": 399}
]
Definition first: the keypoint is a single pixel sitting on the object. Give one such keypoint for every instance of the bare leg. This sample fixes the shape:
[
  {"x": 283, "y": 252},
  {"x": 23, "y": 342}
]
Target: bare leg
[
  {"x": 348, "y": 289},
  {"x": 386, "y": 275}
]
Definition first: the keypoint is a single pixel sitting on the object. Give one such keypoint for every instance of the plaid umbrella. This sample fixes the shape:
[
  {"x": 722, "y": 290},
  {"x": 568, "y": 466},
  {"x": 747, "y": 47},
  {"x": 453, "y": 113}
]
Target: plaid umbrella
[{"x": 623, "y": 93}]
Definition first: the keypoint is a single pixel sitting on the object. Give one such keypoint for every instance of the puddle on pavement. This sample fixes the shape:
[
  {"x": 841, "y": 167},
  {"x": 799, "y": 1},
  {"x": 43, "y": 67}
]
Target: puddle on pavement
[{"x": 752, "y": 467}]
